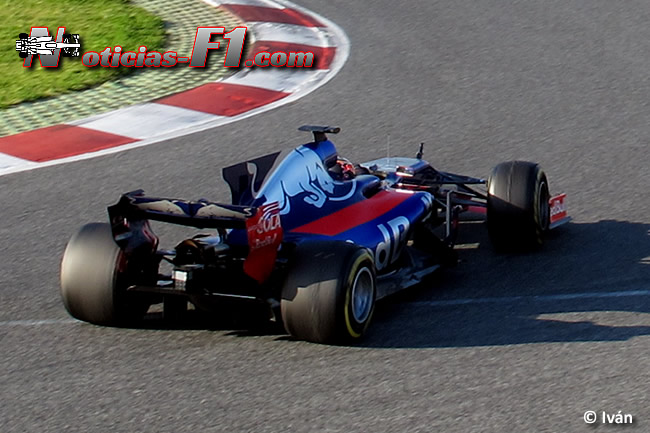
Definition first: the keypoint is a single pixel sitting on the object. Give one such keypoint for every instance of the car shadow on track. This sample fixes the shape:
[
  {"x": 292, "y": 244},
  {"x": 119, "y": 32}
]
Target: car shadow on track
[
  {"x": 590, "y": 282},
  {"x": 243, "y": 323}
]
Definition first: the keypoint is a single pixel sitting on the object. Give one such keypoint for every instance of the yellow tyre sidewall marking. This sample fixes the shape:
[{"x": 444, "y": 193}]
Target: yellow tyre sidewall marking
[{"x": 348, "y": 294}]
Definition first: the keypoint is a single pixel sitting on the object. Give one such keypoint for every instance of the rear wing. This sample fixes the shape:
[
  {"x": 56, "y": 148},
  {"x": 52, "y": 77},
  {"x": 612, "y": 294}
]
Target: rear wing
[
  {"x": 135, "y": 205},
  {"x": 320, "y": 131},
  {"x": 131, "y": 215}
]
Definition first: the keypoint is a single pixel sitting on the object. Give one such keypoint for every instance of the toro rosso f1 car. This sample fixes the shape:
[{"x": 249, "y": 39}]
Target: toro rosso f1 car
[{"x": 311, "y": 237}]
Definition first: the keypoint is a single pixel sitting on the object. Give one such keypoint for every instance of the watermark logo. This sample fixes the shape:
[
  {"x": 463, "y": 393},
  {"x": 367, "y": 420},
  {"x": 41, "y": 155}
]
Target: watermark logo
[{"x": 48, "y": 49}]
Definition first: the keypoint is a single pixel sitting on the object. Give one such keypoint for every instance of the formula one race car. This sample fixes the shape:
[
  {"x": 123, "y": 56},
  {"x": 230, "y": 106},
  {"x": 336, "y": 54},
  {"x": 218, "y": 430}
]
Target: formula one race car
[
  {"x": 46, "y": 45},
  {"x": 311, "y": 237}
]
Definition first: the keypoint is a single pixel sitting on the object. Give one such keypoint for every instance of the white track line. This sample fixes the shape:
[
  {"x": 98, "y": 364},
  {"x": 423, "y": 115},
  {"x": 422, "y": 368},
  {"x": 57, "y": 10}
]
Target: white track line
[
  {"x": 443, "y": 303},
  {"x": 511, "y": 299},
  {"x": 280, "y": 32},
  {"x": 146, "y": 120},
  {"x": 8, "y": 162},
  {"x": 22, "y": 323},
  {"x": 262, "y": 3},
  {"x": 290, "y": 81}
]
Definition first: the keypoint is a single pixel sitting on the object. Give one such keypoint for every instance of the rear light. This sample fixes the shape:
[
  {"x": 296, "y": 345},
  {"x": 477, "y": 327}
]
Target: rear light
[
  {"x": 183, "y": 276},
  {"x": 180, "y": 280}
]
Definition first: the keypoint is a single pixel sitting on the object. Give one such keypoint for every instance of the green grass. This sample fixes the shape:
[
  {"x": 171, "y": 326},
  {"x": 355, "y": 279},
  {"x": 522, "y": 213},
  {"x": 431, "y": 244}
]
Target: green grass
[{"x": 99, "y": 23}]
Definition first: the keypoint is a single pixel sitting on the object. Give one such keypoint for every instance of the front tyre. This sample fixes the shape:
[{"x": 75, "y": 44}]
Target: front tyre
[
  {"x": 517, "y": 207},
  {"x": 329, "y": 293},
  {"x": 94, "y": 279}
]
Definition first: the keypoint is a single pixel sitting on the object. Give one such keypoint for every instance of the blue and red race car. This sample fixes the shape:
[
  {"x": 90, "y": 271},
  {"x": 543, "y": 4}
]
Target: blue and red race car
[{"x": 311, "y": 237}]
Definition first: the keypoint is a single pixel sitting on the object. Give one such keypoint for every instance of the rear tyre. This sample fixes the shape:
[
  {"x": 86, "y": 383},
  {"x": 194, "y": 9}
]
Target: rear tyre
[
  {"x": 94, "y": 279},
  {"x": 517, "y": 206},
  {"x": 329, "y": 293}
]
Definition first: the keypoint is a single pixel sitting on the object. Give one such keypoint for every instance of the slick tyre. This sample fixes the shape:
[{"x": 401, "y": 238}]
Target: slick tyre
[
  {"x": 517, "y": 206},
  {"x": 94, "y": 279},
  {"x": 329, "y": 293}
]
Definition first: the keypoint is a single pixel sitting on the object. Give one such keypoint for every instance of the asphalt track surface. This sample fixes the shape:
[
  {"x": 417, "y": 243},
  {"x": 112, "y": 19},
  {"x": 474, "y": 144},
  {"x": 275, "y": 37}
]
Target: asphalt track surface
[{"x": 500, "y": 343}]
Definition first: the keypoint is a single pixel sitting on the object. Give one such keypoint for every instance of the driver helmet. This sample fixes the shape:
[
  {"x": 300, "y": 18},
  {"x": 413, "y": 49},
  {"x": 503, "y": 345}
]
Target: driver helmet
[{"x": 343, "y": 169}]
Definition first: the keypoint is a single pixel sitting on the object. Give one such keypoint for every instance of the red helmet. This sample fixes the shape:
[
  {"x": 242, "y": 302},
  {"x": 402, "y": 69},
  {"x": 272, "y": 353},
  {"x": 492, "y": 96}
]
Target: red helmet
[{"x": 346, "y": 168}]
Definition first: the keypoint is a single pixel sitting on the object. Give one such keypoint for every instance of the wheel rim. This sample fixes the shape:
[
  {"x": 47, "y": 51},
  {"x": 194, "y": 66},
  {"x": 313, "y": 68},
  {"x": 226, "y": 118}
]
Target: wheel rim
[{"x": 362, "y": 295}]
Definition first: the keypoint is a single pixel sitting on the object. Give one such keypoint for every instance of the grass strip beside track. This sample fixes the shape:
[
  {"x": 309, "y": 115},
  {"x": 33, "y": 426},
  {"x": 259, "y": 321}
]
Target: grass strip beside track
[
  {"x": 98, "y": 23},
  {"x": 181, "y": 18}
]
